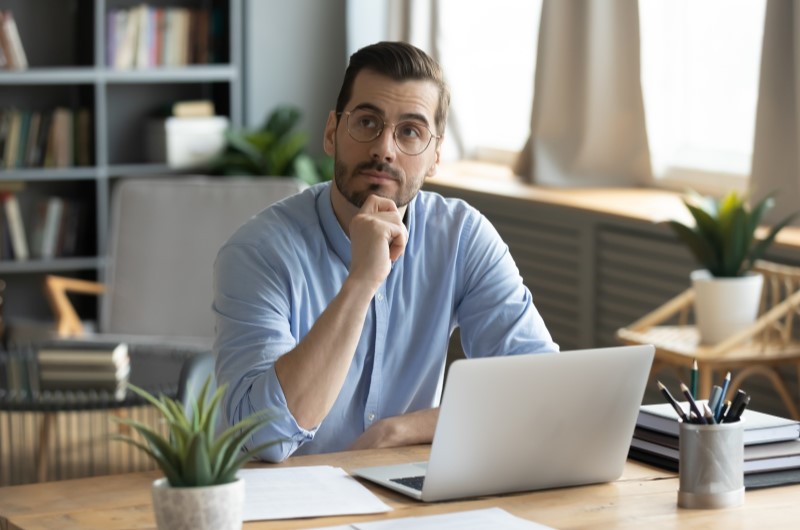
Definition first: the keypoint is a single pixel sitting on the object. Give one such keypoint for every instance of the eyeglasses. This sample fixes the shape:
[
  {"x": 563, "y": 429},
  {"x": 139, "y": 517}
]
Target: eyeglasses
[{"x": 412, "y": 137}]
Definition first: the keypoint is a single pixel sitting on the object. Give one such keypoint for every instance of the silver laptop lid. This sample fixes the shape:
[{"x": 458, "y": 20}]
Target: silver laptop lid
[{"x": 536, "y": 421}]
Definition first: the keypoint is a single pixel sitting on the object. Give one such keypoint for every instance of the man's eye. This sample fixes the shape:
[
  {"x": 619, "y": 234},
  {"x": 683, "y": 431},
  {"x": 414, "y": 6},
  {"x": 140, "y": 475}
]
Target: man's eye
[
  {"x": 409, "y": 130},
  {"x": 368, "y": 122}
]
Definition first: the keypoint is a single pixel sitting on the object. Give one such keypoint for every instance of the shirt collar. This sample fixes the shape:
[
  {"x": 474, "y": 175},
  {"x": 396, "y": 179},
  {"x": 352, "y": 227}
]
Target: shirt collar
[{"x": 334, "y": 233}]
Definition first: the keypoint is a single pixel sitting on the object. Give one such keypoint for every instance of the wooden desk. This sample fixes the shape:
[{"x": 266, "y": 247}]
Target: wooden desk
[{"x": 645, "y": 497}]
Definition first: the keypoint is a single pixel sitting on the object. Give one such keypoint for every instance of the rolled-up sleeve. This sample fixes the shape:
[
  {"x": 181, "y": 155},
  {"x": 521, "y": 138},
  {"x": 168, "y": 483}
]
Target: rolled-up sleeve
[{"x": 253, "y": 329}]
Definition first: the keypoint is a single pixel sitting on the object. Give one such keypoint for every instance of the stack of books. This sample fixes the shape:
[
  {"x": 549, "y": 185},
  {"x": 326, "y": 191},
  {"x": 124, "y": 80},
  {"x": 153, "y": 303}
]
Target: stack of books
[
  {"x": 772, "y": 443},
  {"x": 88, "y": 366}
]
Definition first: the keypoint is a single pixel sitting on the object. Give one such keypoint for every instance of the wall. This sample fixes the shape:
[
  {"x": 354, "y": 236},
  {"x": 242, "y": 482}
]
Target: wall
[{"x": 294, "y": 53}]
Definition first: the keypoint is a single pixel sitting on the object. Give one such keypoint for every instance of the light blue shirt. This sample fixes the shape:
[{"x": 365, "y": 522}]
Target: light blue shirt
[{"x": 279, "y": 272}]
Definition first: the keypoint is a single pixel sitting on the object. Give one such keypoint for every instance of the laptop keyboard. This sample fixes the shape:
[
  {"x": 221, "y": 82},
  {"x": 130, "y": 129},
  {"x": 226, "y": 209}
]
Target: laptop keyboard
[{"x": 412, "y": 482}]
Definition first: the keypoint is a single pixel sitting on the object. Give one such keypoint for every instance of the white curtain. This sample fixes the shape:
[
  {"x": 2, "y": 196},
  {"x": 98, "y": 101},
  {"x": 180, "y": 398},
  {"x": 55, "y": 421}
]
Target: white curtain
[
  {"x": 587, "y": 125},
  {"x": 776, "y": 166}
]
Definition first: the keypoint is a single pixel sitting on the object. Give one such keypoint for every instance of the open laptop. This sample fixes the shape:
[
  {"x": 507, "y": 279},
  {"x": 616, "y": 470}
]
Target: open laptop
[{"x": 528, "y": 422}]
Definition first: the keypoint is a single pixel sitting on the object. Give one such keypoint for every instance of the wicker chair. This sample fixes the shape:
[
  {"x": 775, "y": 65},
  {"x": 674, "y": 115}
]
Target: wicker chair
[{"x": 771, "y": 342}]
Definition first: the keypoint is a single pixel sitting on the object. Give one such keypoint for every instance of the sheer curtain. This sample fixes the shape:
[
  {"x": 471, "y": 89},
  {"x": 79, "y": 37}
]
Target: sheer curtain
[
  {"x": 587, "y": 124},
  {"x": 776, "y": 149}
]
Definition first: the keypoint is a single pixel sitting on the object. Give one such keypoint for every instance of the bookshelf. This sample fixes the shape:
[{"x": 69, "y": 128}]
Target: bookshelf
[{"x": 71, "y": 65}]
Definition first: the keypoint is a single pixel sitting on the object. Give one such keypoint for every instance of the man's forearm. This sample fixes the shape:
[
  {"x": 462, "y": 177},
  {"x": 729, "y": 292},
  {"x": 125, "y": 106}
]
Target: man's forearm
[
  {"x": 407, "y": 429},
  {"x": 312, "y": 374}
]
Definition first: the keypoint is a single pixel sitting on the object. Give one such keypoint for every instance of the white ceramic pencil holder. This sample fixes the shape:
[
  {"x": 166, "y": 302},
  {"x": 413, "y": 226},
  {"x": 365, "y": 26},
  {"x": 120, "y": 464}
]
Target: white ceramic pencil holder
[{"x": 711, "y": 465}]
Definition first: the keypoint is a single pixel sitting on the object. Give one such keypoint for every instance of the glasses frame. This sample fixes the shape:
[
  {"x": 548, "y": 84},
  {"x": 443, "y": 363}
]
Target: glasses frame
[{"x": 347, "y": 114}]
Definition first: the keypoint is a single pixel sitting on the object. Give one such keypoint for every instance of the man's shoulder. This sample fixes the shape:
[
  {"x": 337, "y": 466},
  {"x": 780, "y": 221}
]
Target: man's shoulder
[
  {"x": 285, "y": 219},
  {"x": 432, "y": 203}
]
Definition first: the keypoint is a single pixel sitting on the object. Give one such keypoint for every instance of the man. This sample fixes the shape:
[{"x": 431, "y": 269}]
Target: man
[{"x": 335, "y": 307}]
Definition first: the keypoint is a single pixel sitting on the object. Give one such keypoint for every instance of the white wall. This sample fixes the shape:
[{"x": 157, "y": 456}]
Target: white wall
[{"x": 294, "y": 53}]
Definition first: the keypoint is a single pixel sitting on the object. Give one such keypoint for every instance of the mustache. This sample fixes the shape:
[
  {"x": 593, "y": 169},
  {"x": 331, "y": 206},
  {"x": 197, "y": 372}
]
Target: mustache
[{"x": 378, "y": 166}]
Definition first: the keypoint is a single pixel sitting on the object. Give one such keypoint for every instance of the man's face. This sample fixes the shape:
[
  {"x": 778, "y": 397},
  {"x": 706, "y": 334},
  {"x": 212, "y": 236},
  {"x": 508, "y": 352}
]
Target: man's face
[{"x": 379, "y": 167}]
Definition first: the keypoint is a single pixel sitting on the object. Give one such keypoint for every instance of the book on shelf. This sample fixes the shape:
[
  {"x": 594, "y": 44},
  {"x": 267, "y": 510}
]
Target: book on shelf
[
  {"x": 11, "y": 43},
  {"x": 145, "y": 36},
  {"x": 16, "y": 227},
  {"x": 759, "y": 427},
  {"x": 758, "y": 458}
]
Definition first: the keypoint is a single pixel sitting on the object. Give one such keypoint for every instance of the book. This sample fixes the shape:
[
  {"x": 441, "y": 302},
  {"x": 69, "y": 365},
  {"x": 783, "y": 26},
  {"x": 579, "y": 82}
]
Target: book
[
  {"x": 16, "y": 227},
  {"x": 17, "y": 50},
  {"x": 83, "y": 353},
  {"x": 759, "y": 427},
  {"x": 757, "y": 457}
]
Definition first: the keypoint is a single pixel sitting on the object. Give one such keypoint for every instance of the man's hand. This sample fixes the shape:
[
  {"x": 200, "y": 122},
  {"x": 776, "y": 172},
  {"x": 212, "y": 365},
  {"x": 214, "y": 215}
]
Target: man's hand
[
  {"x": 378, "y": 237},
  {"x": 407, "y": 429}
]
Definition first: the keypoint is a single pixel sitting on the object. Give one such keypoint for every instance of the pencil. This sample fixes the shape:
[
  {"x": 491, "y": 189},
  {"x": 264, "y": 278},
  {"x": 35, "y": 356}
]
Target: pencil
[
  {"x": 672, "y": 402},
  {"x": 692, "y": 404},
  {"x": 693, "y": 381}
]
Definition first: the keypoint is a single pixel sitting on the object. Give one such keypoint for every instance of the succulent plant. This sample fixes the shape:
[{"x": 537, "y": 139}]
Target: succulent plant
[
  {"x": 723, "y": 238},
  {"x": 194, "y": 454}
]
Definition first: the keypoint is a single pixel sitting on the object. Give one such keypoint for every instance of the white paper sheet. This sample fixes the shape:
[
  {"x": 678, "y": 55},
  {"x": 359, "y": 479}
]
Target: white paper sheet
[
  {"x": 469, "y": 520},
  {"x": 314, "y": 491}
]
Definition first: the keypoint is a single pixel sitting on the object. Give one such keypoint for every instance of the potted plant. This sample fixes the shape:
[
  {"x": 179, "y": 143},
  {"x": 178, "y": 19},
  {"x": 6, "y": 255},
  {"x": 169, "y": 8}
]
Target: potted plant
[
  {"x": 723, "y": 240},
  {"x": 274, "y": 149},
  {"x": 200, "y": 489}
]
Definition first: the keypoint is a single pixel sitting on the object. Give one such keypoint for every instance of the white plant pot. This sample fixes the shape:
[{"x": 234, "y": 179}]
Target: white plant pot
[
  {"x": 201, "y": 508},
  {"x": 724, "y": 306}
]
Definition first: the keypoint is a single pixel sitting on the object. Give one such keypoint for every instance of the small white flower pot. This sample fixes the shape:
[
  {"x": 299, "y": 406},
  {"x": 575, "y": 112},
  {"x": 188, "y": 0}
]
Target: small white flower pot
[
  {"x": 202, "y": 508},
  {"x": 724, "y": 306}
]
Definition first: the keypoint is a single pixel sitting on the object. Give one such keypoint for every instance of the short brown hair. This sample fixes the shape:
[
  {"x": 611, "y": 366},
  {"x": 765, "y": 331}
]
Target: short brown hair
[{"x": 399, "y": 61}]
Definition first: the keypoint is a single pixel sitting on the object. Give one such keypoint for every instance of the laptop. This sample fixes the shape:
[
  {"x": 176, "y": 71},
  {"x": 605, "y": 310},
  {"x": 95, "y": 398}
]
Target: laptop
[{"x": 528, "y": 422}]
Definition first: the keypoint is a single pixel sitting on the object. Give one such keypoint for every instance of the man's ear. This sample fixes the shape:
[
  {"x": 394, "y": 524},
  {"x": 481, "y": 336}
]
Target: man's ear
[
  {"x": 438, "y": 154},
  {"x": 329, "y": 140}
]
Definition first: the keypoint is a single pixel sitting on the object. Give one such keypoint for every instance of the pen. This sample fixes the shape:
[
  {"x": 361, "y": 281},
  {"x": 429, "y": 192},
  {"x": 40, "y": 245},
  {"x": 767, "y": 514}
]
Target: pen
[
  {"x": 672, "y": 402},
  {"x": 737, "y": 399},
  {"x": 715, "y": 398},
  {"x": 709, "y": 416},
  {"x": 724, "y": 410},
  {"x": 693, "y": 381},
  {"x": 692, "y": 404},
  {"x": 742, "y": 406},
  {"x": 725, "y": 383}
]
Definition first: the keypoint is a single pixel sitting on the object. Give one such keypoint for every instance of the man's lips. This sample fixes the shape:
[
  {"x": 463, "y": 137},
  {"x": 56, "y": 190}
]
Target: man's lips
[{"x": 379, "y": 175}]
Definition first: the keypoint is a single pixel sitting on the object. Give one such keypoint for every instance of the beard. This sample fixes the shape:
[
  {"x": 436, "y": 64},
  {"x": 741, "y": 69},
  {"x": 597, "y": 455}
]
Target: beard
[{"x": 343, "y": 178}]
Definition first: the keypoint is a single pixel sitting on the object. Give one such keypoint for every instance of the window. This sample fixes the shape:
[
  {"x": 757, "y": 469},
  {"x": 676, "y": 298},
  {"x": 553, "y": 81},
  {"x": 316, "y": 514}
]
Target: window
[
  {"x": 700, "y": 74},
  {"x": 488, "y": 53}
]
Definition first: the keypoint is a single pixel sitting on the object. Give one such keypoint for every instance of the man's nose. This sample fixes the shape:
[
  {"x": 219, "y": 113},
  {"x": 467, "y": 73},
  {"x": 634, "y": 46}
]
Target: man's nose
[{"x": 384, "y": 147}]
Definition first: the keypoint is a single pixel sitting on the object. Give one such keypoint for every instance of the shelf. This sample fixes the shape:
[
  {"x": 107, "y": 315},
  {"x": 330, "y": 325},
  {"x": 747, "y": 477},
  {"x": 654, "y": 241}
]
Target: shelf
[
  {"x": 66, "y": 46},
  {"x": 51, "y": 265},
  {"x": 87, "y": 75},
  {"x": 46, "y": 174}
]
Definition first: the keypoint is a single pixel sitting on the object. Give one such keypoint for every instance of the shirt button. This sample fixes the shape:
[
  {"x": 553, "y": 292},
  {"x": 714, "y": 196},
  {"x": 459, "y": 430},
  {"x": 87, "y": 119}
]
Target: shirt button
[
  {"x": 371, "y": 416},
  {"x": 380, "y": 297}
]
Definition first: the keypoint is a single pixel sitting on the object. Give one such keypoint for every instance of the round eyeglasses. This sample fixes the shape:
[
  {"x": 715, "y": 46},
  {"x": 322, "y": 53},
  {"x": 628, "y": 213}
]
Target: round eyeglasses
[{"x": 411, "y": 137}]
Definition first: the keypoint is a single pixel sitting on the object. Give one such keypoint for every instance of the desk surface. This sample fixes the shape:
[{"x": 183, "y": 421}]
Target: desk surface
[{"x": 645, "y": 497}]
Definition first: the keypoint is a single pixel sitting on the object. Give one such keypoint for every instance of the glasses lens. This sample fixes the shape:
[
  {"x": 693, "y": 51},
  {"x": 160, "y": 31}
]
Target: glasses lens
[
  {"x": 411, "y": 137},
  {"x": 364, "y": 126}
]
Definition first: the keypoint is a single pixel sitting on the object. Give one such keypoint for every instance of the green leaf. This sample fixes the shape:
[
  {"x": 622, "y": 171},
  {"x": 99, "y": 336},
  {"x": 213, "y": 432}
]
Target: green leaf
[
  {"x": 700, "y": 247},
  {"x": 197, "y": 468},
  {"x": 305, "y": 169},
  {"x": 172, "y": 474},
  {"x": 282, "y": 120}
]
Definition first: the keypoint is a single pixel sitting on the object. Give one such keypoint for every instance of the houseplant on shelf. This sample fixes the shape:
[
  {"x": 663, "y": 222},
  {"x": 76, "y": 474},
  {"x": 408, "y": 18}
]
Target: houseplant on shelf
[
  {"x": 200, "y": 490},
  {"x": 274, "y": 149},
  {"x": 724, "y": 241}
]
